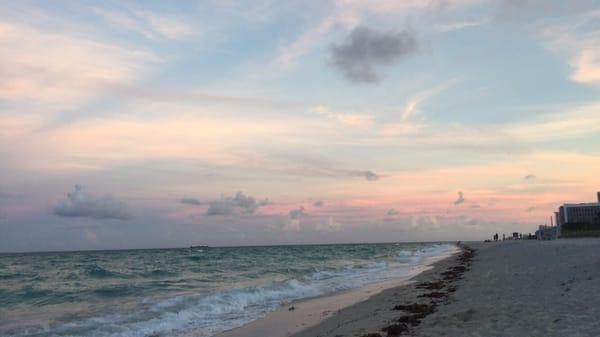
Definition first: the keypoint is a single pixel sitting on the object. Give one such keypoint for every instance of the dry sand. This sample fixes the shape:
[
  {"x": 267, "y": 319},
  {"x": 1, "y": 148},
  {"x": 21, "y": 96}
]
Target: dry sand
[
  {"x": 525, "y": 288},
  {"x": 509, "y": 289}
]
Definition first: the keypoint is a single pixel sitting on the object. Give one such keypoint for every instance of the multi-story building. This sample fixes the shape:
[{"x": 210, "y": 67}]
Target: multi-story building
[{"x": 583, "y": 213}]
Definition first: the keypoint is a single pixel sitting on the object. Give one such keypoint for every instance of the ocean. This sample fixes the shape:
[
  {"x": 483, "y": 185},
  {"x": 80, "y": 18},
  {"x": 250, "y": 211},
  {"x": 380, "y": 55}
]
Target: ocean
[{"x": 186, "y": 292}]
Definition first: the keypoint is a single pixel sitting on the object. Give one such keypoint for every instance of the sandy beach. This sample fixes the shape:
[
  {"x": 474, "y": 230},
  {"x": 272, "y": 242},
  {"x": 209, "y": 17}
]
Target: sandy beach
[
  {"x": 525, "y": 288},
  {"x": 511, "y": 288}
]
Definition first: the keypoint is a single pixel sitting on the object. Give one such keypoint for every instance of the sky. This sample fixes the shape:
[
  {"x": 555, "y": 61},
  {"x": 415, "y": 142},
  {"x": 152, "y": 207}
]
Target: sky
[{"x": 138, "y": 124}]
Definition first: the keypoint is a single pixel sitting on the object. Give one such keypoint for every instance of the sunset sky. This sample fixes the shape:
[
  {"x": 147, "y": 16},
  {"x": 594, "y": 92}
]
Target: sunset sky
[{"x": 166, "y": 124}]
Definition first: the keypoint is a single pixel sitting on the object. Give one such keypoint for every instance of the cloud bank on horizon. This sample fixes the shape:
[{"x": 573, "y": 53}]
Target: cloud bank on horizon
[{"x": 341, "y": 120}]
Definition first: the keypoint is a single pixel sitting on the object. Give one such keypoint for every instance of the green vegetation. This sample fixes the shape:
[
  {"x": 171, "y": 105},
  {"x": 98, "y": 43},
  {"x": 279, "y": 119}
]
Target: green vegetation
[{"x": 577, "y": 230}]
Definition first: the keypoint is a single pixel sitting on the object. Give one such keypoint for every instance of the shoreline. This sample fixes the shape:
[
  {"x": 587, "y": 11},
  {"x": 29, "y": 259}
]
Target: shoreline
[
  {"x": 379, "y": 314},
  {"x": 514, "y": 288},
  {"x": 300, "y": 315}
]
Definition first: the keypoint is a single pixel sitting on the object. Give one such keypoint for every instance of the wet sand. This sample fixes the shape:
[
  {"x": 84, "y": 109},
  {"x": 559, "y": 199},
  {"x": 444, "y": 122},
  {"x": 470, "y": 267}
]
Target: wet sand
[
  {"x": 511, "y": 288},
  {"x": 322, "y": 311},
  {"x": 409, "y": 303}
]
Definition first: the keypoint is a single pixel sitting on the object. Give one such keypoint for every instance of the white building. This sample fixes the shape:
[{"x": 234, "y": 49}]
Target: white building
[{"x": 581, "y": 213}]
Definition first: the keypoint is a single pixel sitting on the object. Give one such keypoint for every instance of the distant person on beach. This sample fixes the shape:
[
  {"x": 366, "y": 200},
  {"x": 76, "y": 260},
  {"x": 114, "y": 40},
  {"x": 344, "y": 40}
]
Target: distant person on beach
[{"x": 496, "y": 237}]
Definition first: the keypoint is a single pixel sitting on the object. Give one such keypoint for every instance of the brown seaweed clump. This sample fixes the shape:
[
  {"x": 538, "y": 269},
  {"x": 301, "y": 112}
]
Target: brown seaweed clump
[
  {"x": 437, "y": 285},
  {"x": 395, "y": 329},
  {"x": 416, "y": 308},
  {"x": 434, "y": 294},
  {"x": 418, "y": 311},
  {"x": 413, "y": 320}
]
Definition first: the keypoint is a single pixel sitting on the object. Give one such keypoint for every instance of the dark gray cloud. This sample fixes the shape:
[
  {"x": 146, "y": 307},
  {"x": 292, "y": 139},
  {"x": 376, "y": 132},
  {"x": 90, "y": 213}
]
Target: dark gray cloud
[
  {"x": 392, "y": 212},
  {"x": 190, "y": 201},
  {"x": 530, "y": 209},
  {"x": 240, "y": 203},
  {"x": 529, "y": 177},
  {"x": 476, "y": 206},
  {"x": 319, "y": 203},
  {"x": 364, "y": 50},
  {"x": 391, "y": 215},
  {"x": 460, "y": 199},
  {"x": 297, "y": 213},
  {"x": 369, "y": 175},
  {"x": 78, "y": 204}
]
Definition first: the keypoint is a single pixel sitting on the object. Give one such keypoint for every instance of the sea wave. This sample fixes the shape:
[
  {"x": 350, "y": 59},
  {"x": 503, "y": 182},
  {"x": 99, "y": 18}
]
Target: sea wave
[
  {"x": 212, "y": 311},
  {"x": 97, "y": 271}
]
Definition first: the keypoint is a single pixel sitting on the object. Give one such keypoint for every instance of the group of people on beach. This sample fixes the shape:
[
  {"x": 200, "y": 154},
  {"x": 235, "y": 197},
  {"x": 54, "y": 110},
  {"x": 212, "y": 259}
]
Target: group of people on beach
[{"x": 515, "y": 236}]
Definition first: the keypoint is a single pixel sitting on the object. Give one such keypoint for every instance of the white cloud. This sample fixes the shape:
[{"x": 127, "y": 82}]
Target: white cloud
[
  {"x": 573, "y": 122},
  {"x": 307, "y": 40},
  {"x": 424, "y": 222},
  {"x": 411, "y": 109},
  {"x": 54, "y": 67},
  {"x": 78, "y": 204},
  {"x": 403, "y": 7},
  {"x": 577, "y": 38},
  {"x": 586, "y": 66},
  {"x": 350, "y": 119},
  {"x": 151, "y": 25},
  {"x": 291, "y": 222},
  {"x": 514, "y": 137},
  {"x": 354, "y": 119},
  {"x": 449, "y": 27},
  {"x": 330, "y": 226},
  {"x": 287, "y": 224}
]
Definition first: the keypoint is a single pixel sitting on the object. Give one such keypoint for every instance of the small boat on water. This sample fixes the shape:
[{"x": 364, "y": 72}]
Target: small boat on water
[{"x": 198, "y": 247}]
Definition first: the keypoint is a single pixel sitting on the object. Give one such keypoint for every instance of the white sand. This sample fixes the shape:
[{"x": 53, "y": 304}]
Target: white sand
[{"x": 525, "y": 288}]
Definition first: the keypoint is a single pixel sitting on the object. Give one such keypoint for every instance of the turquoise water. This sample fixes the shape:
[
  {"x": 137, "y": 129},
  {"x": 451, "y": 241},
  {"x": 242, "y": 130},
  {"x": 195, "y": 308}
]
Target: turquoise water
[{"x": 183, "y": 292}]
